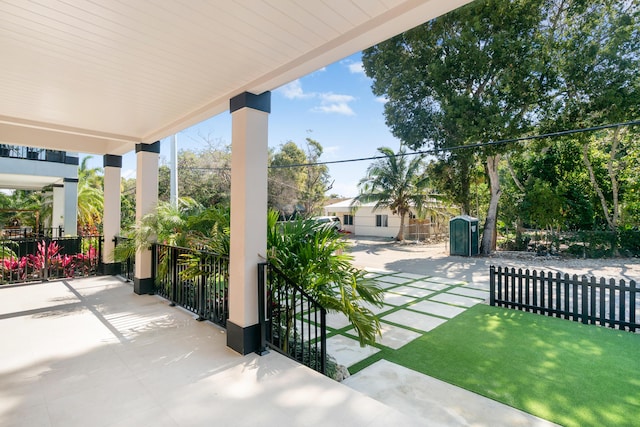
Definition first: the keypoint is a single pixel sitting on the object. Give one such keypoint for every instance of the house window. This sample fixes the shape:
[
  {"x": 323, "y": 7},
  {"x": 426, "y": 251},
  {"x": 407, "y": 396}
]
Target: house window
[
  {"x": 347, "y": 220},
  {"x": 382, "y": 220}
]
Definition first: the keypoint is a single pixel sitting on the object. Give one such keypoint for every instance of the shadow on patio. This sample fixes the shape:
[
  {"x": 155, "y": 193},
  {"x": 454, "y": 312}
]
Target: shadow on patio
[{"x": 90, "y": 352}]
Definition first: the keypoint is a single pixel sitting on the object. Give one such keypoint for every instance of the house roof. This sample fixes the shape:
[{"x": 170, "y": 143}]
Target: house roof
[{"x": 99, "y": 77}]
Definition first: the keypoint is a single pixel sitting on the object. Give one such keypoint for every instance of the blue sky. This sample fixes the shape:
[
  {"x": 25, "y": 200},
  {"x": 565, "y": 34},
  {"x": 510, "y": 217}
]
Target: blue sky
[{"x": 334, "y": 106}]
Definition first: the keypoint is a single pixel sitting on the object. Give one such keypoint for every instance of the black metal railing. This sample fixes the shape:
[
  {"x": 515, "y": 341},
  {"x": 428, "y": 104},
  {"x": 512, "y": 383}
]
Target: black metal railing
[
  {"x": 291, "y": 321},
  {"x": 32, "y": 153},
  {"x": 37, "y": 259},
  {"x": 581, "y": 299},
  {"x": 128, "y": 265},
  {"x": 195, "y": 280}
]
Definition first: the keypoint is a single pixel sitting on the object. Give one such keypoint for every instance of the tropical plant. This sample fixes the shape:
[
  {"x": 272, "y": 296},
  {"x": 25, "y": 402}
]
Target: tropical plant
[
  {"x": 315, "y": 258},
  {"x": 396, "y": 182},
  {"x": 312, "y": 257}
]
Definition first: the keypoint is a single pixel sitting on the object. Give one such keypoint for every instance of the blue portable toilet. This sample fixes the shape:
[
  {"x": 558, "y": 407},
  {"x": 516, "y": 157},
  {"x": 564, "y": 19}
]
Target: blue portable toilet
[{"x": 463, "y": 235}]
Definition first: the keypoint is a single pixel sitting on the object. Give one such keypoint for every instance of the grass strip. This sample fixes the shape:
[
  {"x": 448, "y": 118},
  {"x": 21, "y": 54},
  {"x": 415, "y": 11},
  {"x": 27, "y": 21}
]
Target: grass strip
[{"x": 563, "y": 371}]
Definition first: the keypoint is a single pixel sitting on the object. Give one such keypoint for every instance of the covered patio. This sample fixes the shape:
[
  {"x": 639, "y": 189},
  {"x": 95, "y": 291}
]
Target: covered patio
[
  {"x": 111, "y": 77},
  {"x": 90, "y": 352}
]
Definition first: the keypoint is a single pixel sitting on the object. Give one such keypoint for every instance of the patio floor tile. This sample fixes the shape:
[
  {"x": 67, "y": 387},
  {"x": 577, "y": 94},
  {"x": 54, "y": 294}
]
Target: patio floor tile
[
  {"x": 347, "y": 351},
  {"x": 432, "y": 307},
  {"x": 414, "y": 320},
  {"x": 398, "y": 280},
  {"x": 469, "y": 292},
  {"x": 424, "y": 284},
  {"x": 456, "y": 300},
  {"x": 412, "y": 291},
  {"x": 397, "y": 299}
]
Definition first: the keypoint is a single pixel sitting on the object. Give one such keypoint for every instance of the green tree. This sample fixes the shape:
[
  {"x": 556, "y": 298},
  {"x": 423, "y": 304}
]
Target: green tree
[
  {"x": 594, "y": 76},
  {"x": 285, "y": 182},
  {"x": 90, "y": 198},
  {"x": 396, "y": 182},
  {"x": 467, "y": 77},
  {"x": 316, "y": 179}
]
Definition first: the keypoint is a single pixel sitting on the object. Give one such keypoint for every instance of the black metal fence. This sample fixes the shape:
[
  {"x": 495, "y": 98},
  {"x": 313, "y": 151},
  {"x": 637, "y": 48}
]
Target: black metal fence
[
  {"x": 128, "y": 266},
  {"x": 581, "y": 299},
  {"x": 206, "y": 293},
  {"x": 37, "y": 259},
  {"x": 292, "y": 322},
  {"x": 32, "y": 153}
]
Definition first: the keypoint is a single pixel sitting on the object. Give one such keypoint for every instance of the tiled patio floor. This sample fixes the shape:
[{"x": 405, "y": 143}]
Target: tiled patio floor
[{"x": 91, "y": 353}]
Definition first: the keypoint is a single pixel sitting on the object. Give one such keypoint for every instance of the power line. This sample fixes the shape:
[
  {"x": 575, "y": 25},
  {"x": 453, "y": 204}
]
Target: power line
[
  {"x": 460, "y": 147},
  {"x": 454, "y": 148}
]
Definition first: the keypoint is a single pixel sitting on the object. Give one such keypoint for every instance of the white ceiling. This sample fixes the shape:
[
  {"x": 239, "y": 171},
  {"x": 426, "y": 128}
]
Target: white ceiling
[{"x": 100, "y": 76}]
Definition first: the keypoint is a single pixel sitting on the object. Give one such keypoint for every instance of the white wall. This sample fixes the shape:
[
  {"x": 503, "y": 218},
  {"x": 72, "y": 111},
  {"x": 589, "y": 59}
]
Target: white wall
[{"x": 365, "y": 222}]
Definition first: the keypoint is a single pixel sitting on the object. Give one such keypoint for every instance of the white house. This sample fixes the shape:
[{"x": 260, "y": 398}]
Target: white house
[{"x": 364, "y": 220}]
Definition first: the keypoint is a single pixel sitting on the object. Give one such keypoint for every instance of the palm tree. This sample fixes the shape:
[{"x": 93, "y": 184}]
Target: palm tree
[
  {"x": 395, "y": 182},
  {"x": 90, "y": 198}
]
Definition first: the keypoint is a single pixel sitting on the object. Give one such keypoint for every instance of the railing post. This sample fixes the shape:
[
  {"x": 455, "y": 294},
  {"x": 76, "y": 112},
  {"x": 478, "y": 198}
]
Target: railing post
[
  {"x": 173, "y": 263},
  {"x": 585, "y": 301},
  {"x": 45, "y": 263},
  {"x": 632, "y": 305},
  {"x": 201, "y": 285},
  {"x": 323, "y": 340},
  {"x": 492, "y": 285},
  {"x": 262, "y": 305}
]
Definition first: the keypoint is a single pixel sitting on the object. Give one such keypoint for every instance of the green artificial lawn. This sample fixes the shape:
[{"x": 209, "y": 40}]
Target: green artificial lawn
[{"x": 563, "y": 371}]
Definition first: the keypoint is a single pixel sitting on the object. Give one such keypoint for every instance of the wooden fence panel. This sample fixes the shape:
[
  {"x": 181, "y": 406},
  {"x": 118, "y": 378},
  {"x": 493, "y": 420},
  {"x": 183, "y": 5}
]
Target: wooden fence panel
[{"x": 581, "y": 299}]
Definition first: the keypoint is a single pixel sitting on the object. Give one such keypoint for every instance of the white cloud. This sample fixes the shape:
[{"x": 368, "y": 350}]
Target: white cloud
[
  {"x": 335, "y": 103},
  {"x": 335, "y": 108},
  {"x": 356, "y": 68},
  {"x": 329, "y": 102},
  {"x": 294, "y": 90},
  {"x": 382, "y": 99}
]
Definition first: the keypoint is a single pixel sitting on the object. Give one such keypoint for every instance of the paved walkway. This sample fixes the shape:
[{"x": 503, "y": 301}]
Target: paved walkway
[{"x": 414, "y": 305}]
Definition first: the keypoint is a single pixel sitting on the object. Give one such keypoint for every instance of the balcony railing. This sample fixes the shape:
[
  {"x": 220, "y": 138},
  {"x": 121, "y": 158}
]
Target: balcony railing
[
  {"x": 39, "y": 259},
  {"x": 195, "y": 280},
  {"x": 31, "y": 153},
  {"x": 292, "y": 322}
]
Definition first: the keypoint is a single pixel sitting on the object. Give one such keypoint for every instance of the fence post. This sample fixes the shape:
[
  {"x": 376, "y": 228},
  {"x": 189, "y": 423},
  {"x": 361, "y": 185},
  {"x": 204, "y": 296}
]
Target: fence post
[
  {"x": 323, "y": 340},
  {"x": 621, "y": 304},
  {"x": 632, "y": 305},
  {"x": 45, "y": 263},
  {"x": 201, "y": 285},
  {"x": 173, "y": 276},
  {"x": 585, "y": 301},
  {"x": 492, "y": 285},
  {"x": 262, "y": 304}
]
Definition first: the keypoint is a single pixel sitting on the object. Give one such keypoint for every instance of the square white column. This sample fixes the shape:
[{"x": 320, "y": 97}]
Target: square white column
[
  {"x": 57, "y": 210},
  {"x": 146, "y": 200},
  {"x": 249, "y": 155},
  {"x": 111, "y": 215},
  {"x": 70, "y": 206}
]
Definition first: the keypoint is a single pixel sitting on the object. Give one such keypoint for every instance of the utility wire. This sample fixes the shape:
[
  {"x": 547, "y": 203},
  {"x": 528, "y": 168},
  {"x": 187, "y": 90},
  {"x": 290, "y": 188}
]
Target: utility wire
[
  {"x": 454, "y": 148},
  {"x": 460, "y": 147}
]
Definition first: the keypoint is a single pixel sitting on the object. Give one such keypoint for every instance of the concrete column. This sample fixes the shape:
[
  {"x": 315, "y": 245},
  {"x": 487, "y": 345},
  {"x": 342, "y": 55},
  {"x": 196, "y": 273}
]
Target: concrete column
[
  {"x": 249, "y": 155},
  {"x": 70, "y": 206},
  {"x": 57, "y": 210},
  {"x": 146, "y": 200},
  {"x": 111, "y": 215}
]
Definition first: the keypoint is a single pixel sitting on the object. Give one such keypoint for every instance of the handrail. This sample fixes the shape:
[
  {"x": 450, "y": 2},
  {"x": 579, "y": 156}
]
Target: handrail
[{"x": 288, "y": 317}]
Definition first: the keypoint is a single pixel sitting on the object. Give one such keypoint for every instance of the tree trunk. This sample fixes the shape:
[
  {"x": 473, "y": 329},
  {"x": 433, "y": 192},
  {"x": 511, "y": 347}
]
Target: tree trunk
[
  {"x": 596, "y": 186},
  {"x": 400, "y": 236},
  {"x": 489, "y": 233}
]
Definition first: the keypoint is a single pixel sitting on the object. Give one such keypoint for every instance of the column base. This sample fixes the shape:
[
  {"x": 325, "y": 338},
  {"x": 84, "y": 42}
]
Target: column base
[
  {"x": 243, "y": 340},
  {"x": 143, "y": 286},
  {"x": 111, "y": 269}
]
